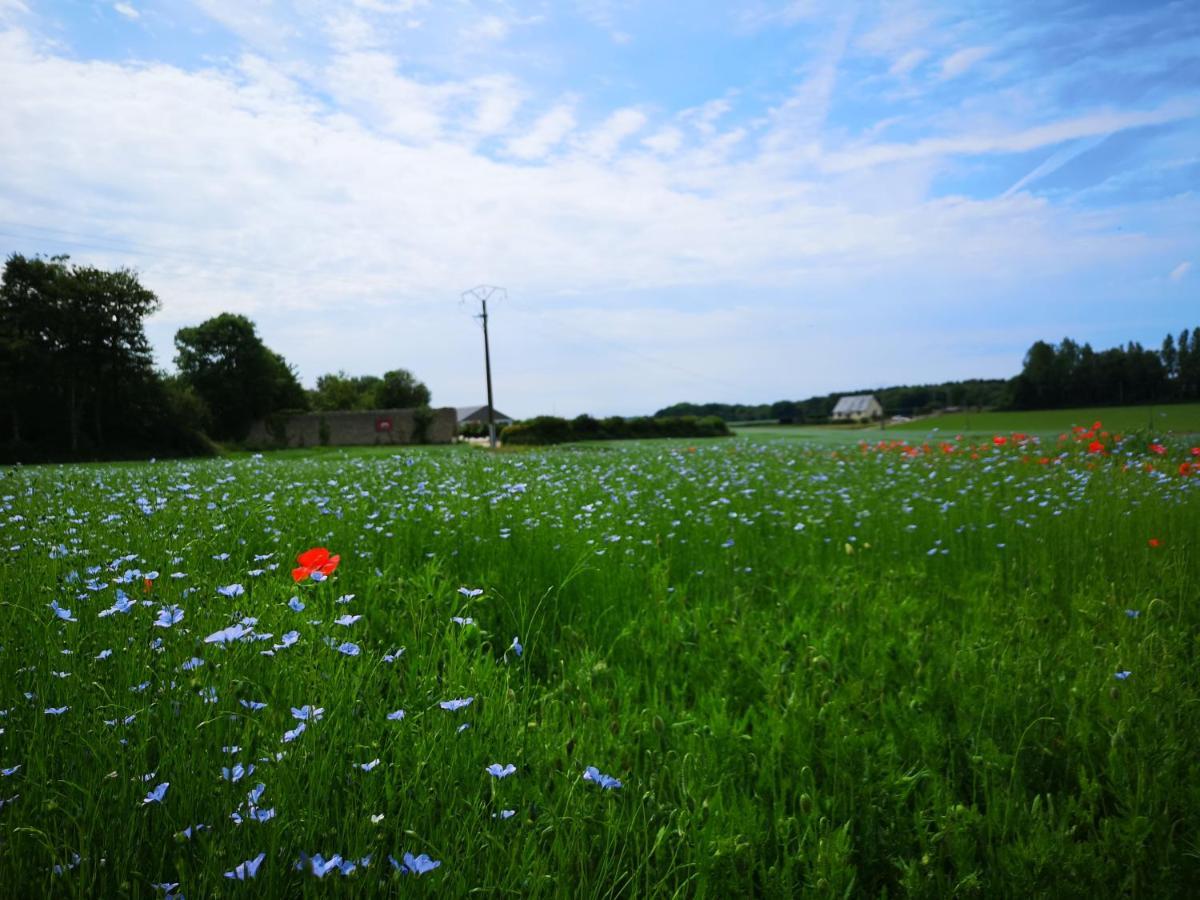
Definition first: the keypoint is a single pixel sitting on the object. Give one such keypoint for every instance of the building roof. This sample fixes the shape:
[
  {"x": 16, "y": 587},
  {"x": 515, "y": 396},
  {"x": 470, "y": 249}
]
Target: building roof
[
  {"x": 466, "y": 412},
  {"x": 857, "y": 403}
]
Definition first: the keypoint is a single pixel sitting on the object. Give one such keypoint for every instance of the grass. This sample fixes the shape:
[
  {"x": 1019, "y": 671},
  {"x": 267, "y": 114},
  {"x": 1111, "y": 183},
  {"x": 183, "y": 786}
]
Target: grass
[
  {"x": 1179, "y": 418},
  {"x": 815, "y": 670}
]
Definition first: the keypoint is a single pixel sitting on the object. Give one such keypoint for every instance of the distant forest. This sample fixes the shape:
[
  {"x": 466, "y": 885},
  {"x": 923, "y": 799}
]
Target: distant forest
[{"x": 1054, "y": 376}]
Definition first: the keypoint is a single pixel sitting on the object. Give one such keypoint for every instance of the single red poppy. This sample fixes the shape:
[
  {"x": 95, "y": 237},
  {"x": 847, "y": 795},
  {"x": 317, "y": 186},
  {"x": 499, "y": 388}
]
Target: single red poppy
[
  {"x": 147, "y": 585},
  {"x": 1158, "y": 449},
  {"x": 1155, "y": 542},
  {"x": 1096, "y": 447},
  {"x": 999, "y": 440},
  {"x": 1185, "y": 468},
  {"x": 316, "y": 560},
  {"x": 1196, "y": 451}
]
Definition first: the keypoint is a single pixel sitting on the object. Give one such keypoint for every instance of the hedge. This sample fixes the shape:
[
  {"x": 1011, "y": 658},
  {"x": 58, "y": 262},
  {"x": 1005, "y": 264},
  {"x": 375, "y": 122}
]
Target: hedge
[{"x": 556, "y": 430}]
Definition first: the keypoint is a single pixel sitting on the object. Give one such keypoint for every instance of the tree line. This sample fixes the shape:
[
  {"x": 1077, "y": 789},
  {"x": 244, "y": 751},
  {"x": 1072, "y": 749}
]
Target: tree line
[
  {"x": 908, "y": 400},
  {"x": 1052, "y": 376},
  {"x": 77, "y": 376},
  {"x": 1070, "y": 374}
]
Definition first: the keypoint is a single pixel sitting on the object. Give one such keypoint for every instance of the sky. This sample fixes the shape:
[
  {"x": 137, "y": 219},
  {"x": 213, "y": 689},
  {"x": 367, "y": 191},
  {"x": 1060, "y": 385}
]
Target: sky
[{"x": 737, "y": 201}]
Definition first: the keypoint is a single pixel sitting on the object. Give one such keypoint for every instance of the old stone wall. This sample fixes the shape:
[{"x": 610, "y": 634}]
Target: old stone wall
[{"x": 350, "y": 428}]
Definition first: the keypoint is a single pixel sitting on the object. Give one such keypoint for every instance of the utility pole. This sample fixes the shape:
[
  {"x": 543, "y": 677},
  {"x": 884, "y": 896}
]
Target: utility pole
[{"x": 483, "y": 294}]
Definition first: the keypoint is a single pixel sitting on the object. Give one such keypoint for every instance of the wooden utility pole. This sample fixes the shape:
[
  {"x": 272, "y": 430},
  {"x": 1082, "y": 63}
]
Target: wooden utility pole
[{"x": 483, "y": 294}]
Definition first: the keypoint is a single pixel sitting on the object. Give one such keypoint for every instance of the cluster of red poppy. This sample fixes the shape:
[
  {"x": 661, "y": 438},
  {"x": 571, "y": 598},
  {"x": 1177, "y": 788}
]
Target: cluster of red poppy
[{"x": 1094, "y": 441}]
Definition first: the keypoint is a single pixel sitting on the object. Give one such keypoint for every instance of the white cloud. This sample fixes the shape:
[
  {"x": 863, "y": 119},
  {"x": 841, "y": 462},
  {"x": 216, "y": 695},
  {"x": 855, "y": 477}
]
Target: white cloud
[
  {"x": 907, "y": 62},
  {"x": 1180, "y": 271},
  {"x": 1057, "y": 160},
  {"x": 370, "y": 85},
  {"x": 960, "y": 61},
  {"x": 126, "y": 10},
  {"x": 1016, "y": 140},
  {"x": 665, "y": 141},
  {"x": 602, "y": 142},
  {"x": 546, "y": 134},
  {"x": 486, "y": 29},
  {"x": 497, "y": 99}
]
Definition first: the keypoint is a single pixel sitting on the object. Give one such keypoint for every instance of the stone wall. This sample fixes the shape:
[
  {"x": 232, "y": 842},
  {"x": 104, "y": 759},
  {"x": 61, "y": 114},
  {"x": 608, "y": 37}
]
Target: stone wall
[{"x": 343, "y": 429}]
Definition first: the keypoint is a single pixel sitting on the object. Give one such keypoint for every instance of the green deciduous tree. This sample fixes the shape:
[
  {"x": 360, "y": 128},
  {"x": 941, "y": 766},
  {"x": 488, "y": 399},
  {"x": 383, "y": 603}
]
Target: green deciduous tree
[
  {"x": 239, "y": 378},
  {"x": 399, "y": 389},
  {"x": 76, "y": 365}
]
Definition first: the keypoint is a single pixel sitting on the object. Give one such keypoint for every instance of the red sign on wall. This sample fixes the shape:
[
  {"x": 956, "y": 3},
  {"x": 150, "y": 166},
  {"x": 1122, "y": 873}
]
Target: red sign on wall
[{"x": 383, "y": 423}]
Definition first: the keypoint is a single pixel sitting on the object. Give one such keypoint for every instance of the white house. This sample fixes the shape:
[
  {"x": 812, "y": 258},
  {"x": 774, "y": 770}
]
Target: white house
[{"x": 857, "y": 408}]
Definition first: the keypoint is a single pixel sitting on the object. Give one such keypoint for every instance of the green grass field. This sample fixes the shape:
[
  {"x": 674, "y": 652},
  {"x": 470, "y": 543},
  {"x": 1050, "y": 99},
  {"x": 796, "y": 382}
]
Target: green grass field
[
  {"x": 1179, "y": 418},
  {"x": 825, "y": 670}
]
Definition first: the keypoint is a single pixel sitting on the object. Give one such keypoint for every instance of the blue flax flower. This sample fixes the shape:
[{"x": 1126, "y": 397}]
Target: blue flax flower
[
  {"x": 591, "y": 773},
  {"x": 62, "y": 612},
  {"x": 455, "y": 704},
  {"x": 247, "y": 869},
  {"x": 231, "y": 590},
  {"x": 498, "y": 771},
  {"x": 415, "y": 865},
  {"x": 156, "y": 795},
  {"x": 168, "y": 616}
]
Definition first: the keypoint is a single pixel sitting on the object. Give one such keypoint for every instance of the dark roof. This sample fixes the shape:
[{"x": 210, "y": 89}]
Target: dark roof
[{"x": 469, "y": 412}]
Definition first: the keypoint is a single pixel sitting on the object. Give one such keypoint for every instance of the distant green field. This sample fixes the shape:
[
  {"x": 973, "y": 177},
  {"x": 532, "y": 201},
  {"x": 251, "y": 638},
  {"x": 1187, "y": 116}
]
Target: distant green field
[
  {"x": 1178, "y": 418},
  {"x": 1181, "y": 418}
]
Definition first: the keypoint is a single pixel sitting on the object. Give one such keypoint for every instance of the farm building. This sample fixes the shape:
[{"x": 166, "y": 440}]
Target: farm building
[
  {"x": 480, "y": 414},
  {"x": 857, "y": 408}
]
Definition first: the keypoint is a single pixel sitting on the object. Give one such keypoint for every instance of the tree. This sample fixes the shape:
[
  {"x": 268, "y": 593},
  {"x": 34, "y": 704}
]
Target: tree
[
  {"x": 76, "y": 357},
  {"x": 238, "y": 377},
  {"x": 399, "y": 389},
  {"x": 342, "y": 391},
  {"x": 1036, "y": 387}
]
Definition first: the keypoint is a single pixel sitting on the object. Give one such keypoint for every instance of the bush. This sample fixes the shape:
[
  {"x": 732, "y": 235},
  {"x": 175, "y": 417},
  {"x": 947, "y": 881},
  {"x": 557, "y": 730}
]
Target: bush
[
  {"x": 422, "y": 419},
  {"x": 473, "y": 429},
  {"x": 539, "y": 430},
  {"x": 555, "y": 430}
]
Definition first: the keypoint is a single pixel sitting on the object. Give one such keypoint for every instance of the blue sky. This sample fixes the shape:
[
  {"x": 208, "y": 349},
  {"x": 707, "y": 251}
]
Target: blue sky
[{"x": 685, "y": 201}]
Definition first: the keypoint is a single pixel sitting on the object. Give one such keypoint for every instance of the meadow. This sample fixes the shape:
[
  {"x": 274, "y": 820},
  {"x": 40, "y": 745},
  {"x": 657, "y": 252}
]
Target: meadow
[{"x": 741, "y": 667}]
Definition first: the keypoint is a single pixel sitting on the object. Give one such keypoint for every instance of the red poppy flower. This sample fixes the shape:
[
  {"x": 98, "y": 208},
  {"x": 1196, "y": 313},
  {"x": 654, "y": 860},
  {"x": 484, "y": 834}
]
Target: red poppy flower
[
  {"x": 1096, "y": 447},
  {"x": 1158, "y": 449},
  {"x": 1196, "y": 451},
  {"x": 1154, "y": 542},
  {"x": 315, "y": 561},
  {"x": 147, "y": 585},
  {"x": 1185, "y": 468},
  {"x": 999, "y": 440}
]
